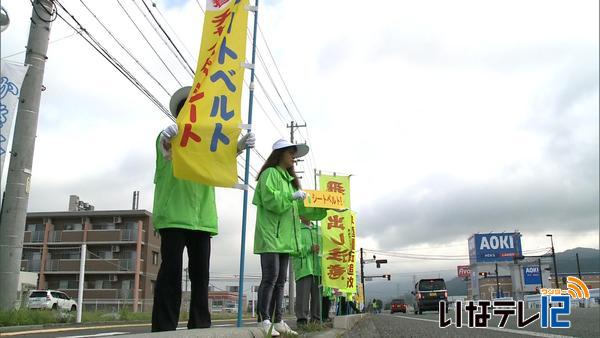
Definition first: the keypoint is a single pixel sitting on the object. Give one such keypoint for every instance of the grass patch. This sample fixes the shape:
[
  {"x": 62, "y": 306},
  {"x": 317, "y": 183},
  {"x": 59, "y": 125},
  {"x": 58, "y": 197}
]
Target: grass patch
[
  {"x": 40, "y": 317},
  {"x": 314, "y": 327},
  {"x": 32, "y": 317}
]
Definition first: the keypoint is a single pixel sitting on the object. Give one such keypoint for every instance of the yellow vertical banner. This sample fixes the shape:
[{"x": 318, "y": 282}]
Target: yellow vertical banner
[
  {"x": 351, "y": 267},
  {"x": 204, "y": 150},
  {"x": 337, "y": 184},
  {"x": 339, "y": 236}
]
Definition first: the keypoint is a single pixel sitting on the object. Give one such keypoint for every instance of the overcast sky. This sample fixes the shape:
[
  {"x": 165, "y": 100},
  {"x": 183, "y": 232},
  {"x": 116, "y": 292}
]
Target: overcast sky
[{"x": 453, "y": 117}]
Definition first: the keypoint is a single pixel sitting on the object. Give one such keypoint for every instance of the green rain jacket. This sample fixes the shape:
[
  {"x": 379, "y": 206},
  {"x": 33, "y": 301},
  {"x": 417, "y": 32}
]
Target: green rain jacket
[
  {"x": 181, "y": 203},
  {"x": 307, "y": 262},
  {"x": 277, "y": 215}
]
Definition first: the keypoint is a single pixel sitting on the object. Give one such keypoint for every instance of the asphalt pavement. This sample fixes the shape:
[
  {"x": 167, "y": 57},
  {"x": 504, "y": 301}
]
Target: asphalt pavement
[{"x": 584, "y": 323}]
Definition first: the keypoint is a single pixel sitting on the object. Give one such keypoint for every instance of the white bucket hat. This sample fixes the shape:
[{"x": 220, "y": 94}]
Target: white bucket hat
[
  {"x": 302, "y": 148},
  {"x": 180, "y": 95}
]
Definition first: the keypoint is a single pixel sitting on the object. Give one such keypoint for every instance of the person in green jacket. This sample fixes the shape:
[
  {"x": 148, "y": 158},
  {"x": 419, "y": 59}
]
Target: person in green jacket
[
  {"x": 185, "y": 215},
  {"x": 277, "y": 198},
  {"x": 307, "y": 270}
]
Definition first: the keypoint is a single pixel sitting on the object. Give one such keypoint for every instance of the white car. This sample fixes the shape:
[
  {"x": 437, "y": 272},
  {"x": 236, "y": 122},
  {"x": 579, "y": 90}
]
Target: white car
[{"x": 52, "y": 300}]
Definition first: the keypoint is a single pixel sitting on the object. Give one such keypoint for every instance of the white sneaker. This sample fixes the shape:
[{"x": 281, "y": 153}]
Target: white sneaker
[
  {"x": 283, "y": 327},
  {"x": 266, "y": 325}
]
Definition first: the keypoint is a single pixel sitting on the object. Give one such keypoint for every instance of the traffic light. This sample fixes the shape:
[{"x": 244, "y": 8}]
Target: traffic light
[
  {"x": 387, "y": 276},
  {"x": 380, "y": 261},
  {"x": 484, "y": 274}
]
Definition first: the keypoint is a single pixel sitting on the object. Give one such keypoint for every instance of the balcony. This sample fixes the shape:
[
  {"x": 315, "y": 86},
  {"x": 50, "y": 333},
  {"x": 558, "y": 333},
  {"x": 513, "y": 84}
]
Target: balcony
[
  {"x": 91, "y": 265},
  {"x": 30, "y": 265},
  {"x": 33, "y": 236},
  {"x": 63, "y": 236}
]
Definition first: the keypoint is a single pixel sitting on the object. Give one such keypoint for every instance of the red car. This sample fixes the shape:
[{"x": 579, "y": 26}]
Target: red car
[{"x": 398, "y": 305}]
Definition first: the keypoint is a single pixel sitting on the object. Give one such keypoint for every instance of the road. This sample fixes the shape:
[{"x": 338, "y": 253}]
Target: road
[
  {"x": 584, "y": 323},
  {"x": 113, "y": 329}
]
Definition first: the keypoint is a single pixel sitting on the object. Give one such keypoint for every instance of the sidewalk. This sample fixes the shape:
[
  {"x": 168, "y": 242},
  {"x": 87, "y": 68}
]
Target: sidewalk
[{"x": 341, "y": 325}]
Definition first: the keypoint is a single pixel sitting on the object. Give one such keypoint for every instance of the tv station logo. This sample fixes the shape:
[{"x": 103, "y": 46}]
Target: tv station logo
[{"x": 555, "y": 303}]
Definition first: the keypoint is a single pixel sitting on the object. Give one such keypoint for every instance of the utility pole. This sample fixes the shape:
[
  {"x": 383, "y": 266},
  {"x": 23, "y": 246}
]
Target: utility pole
[
  {"x": 541, "y": 274},
  {"x": 14, "y": 209},
  {"x": 293, "y": 125},
  {"x": 497, "y": 283},
  {"x": 81, "y": 282},
  {"x": 578, "y": 267},
  {"x": 362, "y": 276},
  {"x": 291, "y": 277},
  {"x": 554, "y": 261}
]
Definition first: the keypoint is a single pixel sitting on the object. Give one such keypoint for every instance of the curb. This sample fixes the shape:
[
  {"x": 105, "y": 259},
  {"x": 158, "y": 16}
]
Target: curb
[{"x": 16, "y": 328}]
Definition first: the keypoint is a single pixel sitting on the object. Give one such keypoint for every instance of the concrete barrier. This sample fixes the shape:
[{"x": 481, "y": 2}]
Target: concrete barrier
[{"x": 347, "y": 322}]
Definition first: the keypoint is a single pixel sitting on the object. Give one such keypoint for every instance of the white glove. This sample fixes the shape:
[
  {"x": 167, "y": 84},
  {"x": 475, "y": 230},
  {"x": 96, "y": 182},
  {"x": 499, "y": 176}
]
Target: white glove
[
  {"x": 170, "y": 132},
  {"x": 247, "y": 141},
  {"x": 299, "y": 195},
  {"x": 165, "y": 140}
]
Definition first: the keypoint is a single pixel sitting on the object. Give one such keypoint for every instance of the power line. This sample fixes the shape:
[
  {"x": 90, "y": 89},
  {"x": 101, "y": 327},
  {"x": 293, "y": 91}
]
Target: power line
[
  {"x": 173, "y": 30},
  {"x": 53, "y": 41},
  {"x": 125, "y": 48},
  {"x": 148, "y": 42},
  {"x": 87, "y": 36},
  {"x": 185, "y": 63}
]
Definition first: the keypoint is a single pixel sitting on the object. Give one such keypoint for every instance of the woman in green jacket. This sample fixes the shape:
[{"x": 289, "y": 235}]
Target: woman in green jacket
[
  {"x": 277, "y": 197},
  {"x": 185, "y": 215}
]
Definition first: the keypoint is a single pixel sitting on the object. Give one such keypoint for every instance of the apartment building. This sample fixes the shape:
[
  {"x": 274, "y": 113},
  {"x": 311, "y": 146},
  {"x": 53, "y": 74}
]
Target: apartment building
[{"x": 122, "y": 259}]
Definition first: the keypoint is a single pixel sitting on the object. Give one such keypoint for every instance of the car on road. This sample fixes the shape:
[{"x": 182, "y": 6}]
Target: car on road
[
  {"x": 51, "y": 300},
  {"x": 428, "y": 294},
  {"x": 398, "y": 305}
]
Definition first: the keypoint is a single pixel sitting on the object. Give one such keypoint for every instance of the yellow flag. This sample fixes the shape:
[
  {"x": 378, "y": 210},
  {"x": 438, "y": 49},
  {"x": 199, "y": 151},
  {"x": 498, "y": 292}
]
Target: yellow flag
[
  {"x": 339, "y": 235},
  {"x": 339, "y": 184},
  {"x": 205, "y": 149}
]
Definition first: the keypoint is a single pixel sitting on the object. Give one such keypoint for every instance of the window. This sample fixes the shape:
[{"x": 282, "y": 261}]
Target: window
[
  {"x": 98, "y": 284},
  {"x": 126, "y": 284},
  {"x": 154, "y": 257},
  {"x": 152, "y": 283},
  {"x": 131, "y": 225},
  {"x": 34, "y": 227},
  {"x": 73, "y": 226},
  {"x": 103, "y": 226},
  {"x": 63, "y": 284}
]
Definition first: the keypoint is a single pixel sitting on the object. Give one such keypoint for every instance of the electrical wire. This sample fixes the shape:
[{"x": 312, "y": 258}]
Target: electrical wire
[
  {"x": 183, "y": 62},
  {"x": 125, "y": 48},
  {"x": 51, "y": 42},
  {"x": 102, "y": 51},
  {"x": 173, "y": 31},
  {"x": 51, "y": 12},
  {"x": 148, "y": 42}
]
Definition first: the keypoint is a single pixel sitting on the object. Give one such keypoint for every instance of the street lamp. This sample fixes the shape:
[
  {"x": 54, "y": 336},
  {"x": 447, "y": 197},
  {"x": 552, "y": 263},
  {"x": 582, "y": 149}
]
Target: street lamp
[{"x": 554, "y": 261}]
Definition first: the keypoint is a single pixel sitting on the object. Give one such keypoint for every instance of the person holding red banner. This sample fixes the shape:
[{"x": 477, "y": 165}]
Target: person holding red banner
[
  {"x": 278, "y": 199},
  {"x": 185, "y": 215}
]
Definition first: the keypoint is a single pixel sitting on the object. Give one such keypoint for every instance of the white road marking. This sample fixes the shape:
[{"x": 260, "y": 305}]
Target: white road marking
[
  {"x": 106, "y": 334},
  {"x": 521, "y": 332}
]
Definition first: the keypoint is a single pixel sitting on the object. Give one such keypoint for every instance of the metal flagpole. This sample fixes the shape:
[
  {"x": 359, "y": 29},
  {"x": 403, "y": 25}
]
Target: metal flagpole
[
  {"x": 319, "y": 277},
  {"x": 247, "y": 172}
]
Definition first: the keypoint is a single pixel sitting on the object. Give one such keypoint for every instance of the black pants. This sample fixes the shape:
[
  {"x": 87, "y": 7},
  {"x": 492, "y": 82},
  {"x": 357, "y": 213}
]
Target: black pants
[
  {"x": 326, "y": 305},
  {"x": 274, "y": 267},
  {"x": 167, "y": 291}
]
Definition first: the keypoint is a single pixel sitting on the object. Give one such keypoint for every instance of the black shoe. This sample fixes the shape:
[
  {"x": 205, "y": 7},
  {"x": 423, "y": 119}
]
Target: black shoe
[{"x": 301, "y": 322}]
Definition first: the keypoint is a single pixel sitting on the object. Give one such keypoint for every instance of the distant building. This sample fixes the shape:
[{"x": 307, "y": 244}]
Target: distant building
[
  {"x": 122, "y": 261},
  {"x": 487, "y": 285}
]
